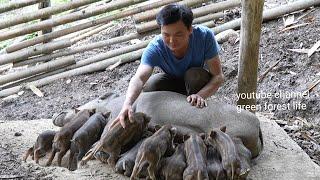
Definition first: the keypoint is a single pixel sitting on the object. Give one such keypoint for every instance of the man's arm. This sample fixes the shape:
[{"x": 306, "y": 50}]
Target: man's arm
[
  {"x": 137, "y": 82},
  {"x": 135, "y": 87},
  {"x": 217, "y": 79},
  {"x": 211, "y": 87}
]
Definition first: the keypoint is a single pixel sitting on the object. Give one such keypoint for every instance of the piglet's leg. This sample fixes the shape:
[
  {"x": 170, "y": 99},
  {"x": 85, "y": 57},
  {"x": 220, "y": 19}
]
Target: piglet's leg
[
  {"x": 29, "y": 152},
  {"x": 53, "y": 153},
  {"x": 37, "y": 155},
  {"x": 60, "y": 155},
  {"x": 114, "y": 157}
]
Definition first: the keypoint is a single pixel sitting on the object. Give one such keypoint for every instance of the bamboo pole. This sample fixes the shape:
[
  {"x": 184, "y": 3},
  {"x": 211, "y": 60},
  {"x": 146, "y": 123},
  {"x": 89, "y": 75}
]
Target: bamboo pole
[
  {"x": 90, "y": 33},
  {"x": 55, "y": 34},
  {"x": 211, "y": 8},
  {"x": 80, "y": 49},
  {"x": 249, "y": 49},
  {"x": 208, "y": 17},
  {"x": 45, "y": 4},
  {"x": 66, "y": 19},
  {"x": 17, "y": 4},
  {"x": 81, "y": 63},
  {"x": 36, "y": 69},
  {"x": 151, "y": 14},
  {"x": 215, "y": 7},
  {"x": 32, "y": 51},
  {"x": 99, "y": 66},
  {"x": 271, "y": 13},
  {"x": 100, "y": 57},
  {"x": 23, "y": 18}
]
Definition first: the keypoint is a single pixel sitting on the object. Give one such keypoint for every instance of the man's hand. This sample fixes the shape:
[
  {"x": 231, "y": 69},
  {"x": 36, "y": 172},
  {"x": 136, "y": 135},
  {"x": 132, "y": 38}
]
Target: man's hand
[
  {"x": 126, "y": 111},
  {"x": 197, "y": 100}
]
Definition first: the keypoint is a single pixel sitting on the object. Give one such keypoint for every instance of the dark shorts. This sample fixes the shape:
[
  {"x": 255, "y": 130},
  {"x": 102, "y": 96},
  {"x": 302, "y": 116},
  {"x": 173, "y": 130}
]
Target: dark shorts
[{"x": 194, "y": 80}]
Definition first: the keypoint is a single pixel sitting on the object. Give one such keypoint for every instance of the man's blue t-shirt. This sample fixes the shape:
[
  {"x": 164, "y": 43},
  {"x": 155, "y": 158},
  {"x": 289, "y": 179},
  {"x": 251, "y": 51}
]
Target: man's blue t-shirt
[{"x": 202, "y": 47}]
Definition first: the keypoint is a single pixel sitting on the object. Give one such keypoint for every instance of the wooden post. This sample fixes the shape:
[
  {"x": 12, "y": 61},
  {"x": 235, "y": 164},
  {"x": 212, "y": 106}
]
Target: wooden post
[
  {"x": 45, "y": 4},
  {"x": 249, "y": 49}
]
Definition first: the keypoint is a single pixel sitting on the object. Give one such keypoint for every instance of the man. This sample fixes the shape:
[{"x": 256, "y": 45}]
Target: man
[{"x": 181, "y": 51}]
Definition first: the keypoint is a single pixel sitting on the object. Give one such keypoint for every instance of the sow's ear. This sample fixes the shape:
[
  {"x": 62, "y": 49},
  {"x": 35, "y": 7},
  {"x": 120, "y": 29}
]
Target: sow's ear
[{"x": 223, "y": 129}]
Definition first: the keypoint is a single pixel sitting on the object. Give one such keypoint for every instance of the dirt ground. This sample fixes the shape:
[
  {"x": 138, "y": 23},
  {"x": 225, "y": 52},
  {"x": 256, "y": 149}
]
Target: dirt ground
[{"x": 294, "y": 73}]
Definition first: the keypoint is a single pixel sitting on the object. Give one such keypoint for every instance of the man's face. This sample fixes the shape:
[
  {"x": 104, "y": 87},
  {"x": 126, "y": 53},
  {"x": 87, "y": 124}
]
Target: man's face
[{"x": 176, "y": 36}]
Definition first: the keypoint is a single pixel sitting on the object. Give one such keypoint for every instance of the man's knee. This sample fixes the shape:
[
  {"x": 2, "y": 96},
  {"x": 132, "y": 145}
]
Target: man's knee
[
  {"x": 155, "y": 82},
  {"x": 195, "y": 79}
]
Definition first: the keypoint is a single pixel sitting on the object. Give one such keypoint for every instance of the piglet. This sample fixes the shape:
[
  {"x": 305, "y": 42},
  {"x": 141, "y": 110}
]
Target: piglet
[
  {"x": 126, "y": 162},
  {"x": 152, "y": 149},
  {"x": 196, "y": 156},
  {"x": 114, "y": 139},
  {"x": 86, "y": 136},
  {"x": 172, "y": 167},
  {"x": 43, "y": 144},
  {"x": 245, "y": 158},
  {"x": 62, "y": 139},
  {"x": 229, "y": 156},
  {"x": 214, "y": 166}
]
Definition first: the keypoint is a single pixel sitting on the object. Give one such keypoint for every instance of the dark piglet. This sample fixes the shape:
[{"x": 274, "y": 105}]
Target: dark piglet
[
  {"x": 245, "y": 158},
  {"x": 172, "y": 167},
  {"x": 229, "y": 156},
  {"x": 196, "y": 156},
  {"x": 62, "y": 139},
  {"x": 85, "y": 137},
  {"x": 115, "y": 139},
  {"x": 42, "y": 146},
  {"x": 126, "y": 162},
  {"x": 152, "y": 149},
  {"x": 214, "y": 166}
]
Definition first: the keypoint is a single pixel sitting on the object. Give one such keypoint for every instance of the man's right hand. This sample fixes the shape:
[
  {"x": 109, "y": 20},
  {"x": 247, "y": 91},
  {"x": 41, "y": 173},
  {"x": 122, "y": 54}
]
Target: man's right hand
[{"x": 125, "y": 112}]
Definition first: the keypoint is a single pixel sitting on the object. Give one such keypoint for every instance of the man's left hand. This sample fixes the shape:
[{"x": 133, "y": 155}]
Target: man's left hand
[{"x": 197, "y": 100}]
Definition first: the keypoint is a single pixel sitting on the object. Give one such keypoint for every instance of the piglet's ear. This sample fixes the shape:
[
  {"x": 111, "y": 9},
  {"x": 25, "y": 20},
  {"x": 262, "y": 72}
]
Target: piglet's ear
[
  {"x": 212, "y": 134},
  {"x": 223, "y": 129},
  {"x": 157, "y": 127},
  {"x": 173, "y": 131},
  {"x": 76, "y": 110},
  {"x": 106, "y": 114},
  {"x": 202, "y": 135}
]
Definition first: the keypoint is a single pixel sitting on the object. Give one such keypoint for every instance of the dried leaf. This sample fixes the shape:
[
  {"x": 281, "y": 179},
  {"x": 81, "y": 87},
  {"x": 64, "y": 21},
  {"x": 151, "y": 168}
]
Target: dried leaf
[
  {"x": 111, "y": 67},
  {"x": 293, "y": 27},
  {"x": 35, "y": 90},
  {"x": 314, "y": 48},
  {"x": 305, "y": 51},
  {"x": 289, "y": 21},
  {"x": 68, "y": 81},
  {"x": 20, "y": 93}
]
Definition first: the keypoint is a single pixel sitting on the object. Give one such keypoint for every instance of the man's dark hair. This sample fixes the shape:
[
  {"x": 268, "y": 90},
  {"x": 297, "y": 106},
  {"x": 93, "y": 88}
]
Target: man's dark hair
[{"x": 172, "y": 13}]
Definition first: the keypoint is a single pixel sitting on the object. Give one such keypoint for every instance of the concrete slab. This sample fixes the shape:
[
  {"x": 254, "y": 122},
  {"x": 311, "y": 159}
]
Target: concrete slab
[{"x": 281, "y": 158}]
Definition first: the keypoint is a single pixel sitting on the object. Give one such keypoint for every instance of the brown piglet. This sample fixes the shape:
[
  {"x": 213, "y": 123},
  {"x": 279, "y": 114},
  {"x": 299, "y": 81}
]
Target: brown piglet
[
  {"x": 115, "y": 139},
  {"x": 229, "y": 156},
  {"x": 196, "y": 157},
  {"x": 62, "y": 139},
  {"x": 152, "y": 149},
  {"x": 42, "y": 146},
  {"x": 172, "y": 167}
]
